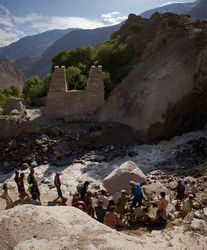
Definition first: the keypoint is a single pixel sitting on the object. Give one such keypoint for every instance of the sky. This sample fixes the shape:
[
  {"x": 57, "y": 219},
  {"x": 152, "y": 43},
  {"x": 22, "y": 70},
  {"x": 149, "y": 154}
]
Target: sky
[{"x": 20, "y": 18}]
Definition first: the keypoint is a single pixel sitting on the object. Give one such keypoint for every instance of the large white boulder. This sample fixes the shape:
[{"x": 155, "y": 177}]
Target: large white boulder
[
  {"x": 153, "y": 190},
  {"x": 119, "y": 179},
  {"x": 34, "y": 227}
]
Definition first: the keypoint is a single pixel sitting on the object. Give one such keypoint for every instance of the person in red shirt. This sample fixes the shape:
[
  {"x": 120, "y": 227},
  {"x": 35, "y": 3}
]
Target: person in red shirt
[
  {"x": 79, "y": 204},
  {"x": 89, "y": 203},
  {"x": 57, "y": 183}
]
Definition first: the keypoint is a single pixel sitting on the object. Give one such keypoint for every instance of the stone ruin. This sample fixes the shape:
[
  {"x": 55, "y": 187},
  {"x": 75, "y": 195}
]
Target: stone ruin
[
  {"x": 14, "y": 106},
  {"x": 75, "y": 105}
]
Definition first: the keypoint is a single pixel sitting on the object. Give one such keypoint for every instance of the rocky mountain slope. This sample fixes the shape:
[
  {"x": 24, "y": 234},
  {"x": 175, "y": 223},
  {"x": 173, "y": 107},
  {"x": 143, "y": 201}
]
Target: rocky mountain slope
[
  {"x": 10, "y": 75},
  {"x": 165, "y": 92},
  {"x": 73, "y": 40},
  {"x": 197, "y": 9},
  {"x": 26, "y": 51}
]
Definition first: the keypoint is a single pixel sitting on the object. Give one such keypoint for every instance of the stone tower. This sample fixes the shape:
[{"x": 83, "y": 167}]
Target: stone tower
[
  {"x": 95, "y": 80},
  {"x": 58, "y": 83}
]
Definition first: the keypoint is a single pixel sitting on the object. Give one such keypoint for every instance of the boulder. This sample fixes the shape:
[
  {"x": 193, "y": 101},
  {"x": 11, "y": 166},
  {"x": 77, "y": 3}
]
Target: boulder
[
  {"x": 119, "y": 179},
  {"x": 34, "y": 227},
  {"x": 15, "y": 112},
  {"x": 139, "y": 212},
  {"x": 62, "y": 149},
  {"x": 199, "y": 225},
  {"x": 33, "y": 164},
  {"x": 152, "y": 214},
  {"x": 12, "y": 104},
  {"x": 153, "y": 190},
  {"x": 205, "y": 212}
]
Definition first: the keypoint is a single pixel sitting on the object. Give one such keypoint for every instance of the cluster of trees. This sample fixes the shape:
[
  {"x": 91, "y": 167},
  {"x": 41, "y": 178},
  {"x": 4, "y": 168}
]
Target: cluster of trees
[
  {"x": 114, "y": 56},
  {"x": 13, "y": 91},
  {"x": 35, "y": 88}
]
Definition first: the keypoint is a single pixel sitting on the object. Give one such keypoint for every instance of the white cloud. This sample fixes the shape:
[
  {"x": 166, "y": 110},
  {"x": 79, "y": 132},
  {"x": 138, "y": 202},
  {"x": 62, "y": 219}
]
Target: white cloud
[
  {"x": 7, "y": 37},
  {"x": 14, "y": 27},
  {"x": 112, "y": 18},
  {"x": 171, "y": 2},
  {"x": 28, "y": 18},
  {"x": 65, "y": 22}
]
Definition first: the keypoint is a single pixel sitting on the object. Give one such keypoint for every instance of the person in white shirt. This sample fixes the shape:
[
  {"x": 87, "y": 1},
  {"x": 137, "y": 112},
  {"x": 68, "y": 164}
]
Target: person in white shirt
[
  {"x": 186, "y": 185},
  {"x": 103, "y": 198},
  {"x": 192, "y": 188}
]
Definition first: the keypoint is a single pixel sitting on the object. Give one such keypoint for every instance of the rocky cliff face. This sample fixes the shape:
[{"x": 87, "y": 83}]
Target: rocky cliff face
[
  {"x": 10, "y": 75},
  {"x": 165, "y": 92}
]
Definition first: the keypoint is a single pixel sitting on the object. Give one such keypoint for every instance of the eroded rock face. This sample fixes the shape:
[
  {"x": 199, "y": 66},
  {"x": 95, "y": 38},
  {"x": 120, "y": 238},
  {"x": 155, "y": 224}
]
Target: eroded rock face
[
  {"x": 165, "y": 92},
  {"x": 10, "y": 75},
  {"x": 33, "y": 227},
  {"x": 119, "y": 179}
]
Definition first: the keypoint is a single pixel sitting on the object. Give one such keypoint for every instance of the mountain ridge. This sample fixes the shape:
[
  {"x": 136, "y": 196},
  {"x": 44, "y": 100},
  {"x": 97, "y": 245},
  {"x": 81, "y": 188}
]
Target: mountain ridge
[{"x": 197, "y": 9}]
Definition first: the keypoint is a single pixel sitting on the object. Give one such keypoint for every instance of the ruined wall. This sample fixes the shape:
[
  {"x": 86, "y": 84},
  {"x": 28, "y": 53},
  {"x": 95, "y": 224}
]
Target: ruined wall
[{"x": 75, "y": 105}]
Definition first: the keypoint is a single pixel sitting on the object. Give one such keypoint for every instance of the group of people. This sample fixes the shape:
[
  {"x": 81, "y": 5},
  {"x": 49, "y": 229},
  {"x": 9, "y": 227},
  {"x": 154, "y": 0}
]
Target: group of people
[
  {"x": 185, "y": 194},
  {"x": 105, "y": 211}
]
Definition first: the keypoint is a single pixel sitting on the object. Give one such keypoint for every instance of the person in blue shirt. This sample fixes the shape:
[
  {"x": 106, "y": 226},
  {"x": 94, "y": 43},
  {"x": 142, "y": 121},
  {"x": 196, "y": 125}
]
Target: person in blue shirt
[{"x": 137, "y": 192}]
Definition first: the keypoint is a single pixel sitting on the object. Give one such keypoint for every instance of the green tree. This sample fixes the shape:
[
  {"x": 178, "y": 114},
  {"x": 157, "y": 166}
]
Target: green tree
[
  {"x": 32, "y": 89},
  {"x": 15, "y": 91},
  {"x": 108, "y": 85},
  {"x": 3, "y": 99},
  {"x": 75, "y": 79},
  {"x": 46, "y": 85}
]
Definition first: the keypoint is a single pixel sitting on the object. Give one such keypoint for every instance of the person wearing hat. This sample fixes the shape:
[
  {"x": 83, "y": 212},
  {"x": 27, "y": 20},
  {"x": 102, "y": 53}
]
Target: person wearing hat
[
  {"x": 121, "y": 203},
  {"x": 57, "y": 183},
  {"x": 17, "y": 180}
]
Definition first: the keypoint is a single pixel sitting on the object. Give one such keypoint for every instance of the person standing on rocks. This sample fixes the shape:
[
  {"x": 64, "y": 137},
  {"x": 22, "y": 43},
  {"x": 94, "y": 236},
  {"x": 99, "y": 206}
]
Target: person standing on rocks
[
  {"x": 100, "y": 211},
  {"x": 111, "y": 219},
  {"x": 31, "y": 178},
  {"x": 23, "y": 192},
  {"x": 89, "y": 203},
  {"x": 21, "y": 180},
  {"x": 83, "y": 189},
  {"x": 186, "y": 205},
  {"x": 57, "y": 183},
  {"x": 35, "y": 189},
  {"x": 17, "y": 180},
  {"x": 137, "y": 192},
  {"x": 180, "y": 191},
  {"x": 121, "y": 203},
  {"x": 186, "y": 192},
  {"x": 103, "y": 198},
  {"x": 5, "y": 196},
  {"x": 192, "y": 189},
  {"x": 162, "y": 204}
]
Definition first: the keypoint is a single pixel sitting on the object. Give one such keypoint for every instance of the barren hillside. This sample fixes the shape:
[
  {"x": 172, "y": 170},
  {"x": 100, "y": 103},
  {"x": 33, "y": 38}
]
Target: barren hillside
[
  {"x": 10, "y": 75},
  {"x": 165, "y": 92}
]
